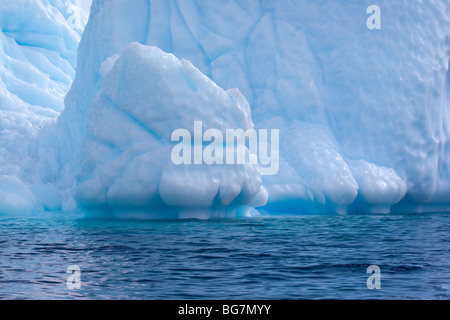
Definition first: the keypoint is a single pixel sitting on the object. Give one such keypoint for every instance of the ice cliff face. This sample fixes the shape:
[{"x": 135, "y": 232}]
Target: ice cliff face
[
  {"x": 363, "y": 114},
  {"x": 38, "y": 50},
  {"x": 127, "y": 169},
  {"x": 39, "y": 41}
]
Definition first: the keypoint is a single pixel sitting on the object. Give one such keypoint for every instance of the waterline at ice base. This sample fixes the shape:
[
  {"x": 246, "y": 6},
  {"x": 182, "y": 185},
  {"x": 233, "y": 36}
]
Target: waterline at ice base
[{"x": 351, "y": 119}]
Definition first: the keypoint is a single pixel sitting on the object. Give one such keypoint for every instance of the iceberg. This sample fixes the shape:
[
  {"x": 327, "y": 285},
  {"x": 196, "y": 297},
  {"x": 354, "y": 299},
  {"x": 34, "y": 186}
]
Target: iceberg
[
  {"x": 363, "y": 113},
  {"x": 38, "y": 53},
  {"x": 126, "y": 168}
]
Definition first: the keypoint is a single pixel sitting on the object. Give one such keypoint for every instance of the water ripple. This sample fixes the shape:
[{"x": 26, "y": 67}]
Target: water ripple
[{"x": 305, "y": 257}]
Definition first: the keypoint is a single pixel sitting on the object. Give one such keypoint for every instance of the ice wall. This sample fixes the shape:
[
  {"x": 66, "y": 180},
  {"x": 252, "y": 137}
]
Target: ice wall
[
  {"x": 363, "y": 113},
  {"x": 38, "y": 51},
  {"x": 126, "y": 168}
]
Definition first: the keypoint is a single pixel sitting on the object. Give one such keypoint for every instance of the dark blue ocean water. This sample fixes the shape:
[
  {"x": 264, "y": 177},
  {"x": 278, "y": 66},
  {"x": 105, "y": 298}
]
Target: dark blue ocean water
[{"x": 303, "y": 257}]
